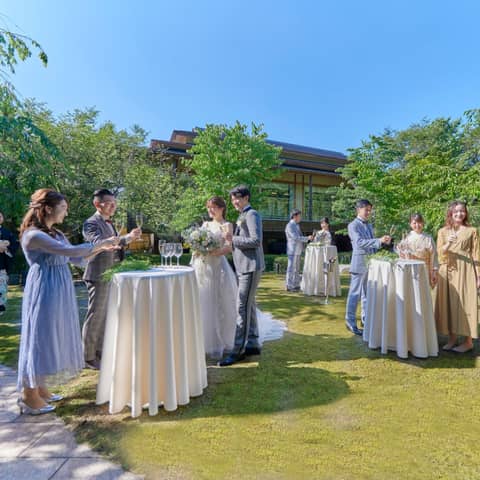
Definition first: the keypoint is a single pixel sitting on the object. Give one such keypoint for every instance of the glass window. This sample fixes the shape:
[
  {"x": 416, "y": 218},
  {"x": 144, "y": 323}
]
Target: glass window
[
  {"x": 275, "y": 201},
  {"x": 321, "y": 203}
]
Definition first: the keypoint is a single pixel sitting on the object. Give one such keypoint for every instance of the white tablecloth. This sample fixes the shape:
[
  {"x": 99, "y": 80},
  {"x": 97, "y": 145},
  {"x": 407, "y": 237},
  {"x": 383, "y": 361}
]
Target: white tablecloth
[
  {"x": 399, "y": 314},
  {"x": 313, "y": 278},
  {"x": 153, "y": 351}
]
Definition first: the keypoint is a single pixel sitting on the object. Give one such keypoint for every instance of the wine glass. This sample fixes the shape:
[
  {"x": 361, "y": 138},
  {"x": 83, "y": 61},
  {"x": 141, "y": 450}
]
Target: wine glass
[
  {"x": 169, "y": 253},
  {"x": 139, "y": 219},
  {"x": 178, "y": 251},
  {"x": 119, "y": 225},
  {"x": 224, "y": 230},
  {"x": 161, "y": 251}
]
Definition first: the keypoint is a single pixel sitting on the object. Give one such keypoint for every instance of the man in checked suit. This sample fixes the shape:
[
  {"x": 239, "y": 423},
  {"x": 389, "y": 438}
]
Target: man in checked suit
[
  {"x": 363, "y": 243},
  {"x": 99, "y": 227},
  {"x": 249, "y": 265},
  {"x": 295, "y": 244}
]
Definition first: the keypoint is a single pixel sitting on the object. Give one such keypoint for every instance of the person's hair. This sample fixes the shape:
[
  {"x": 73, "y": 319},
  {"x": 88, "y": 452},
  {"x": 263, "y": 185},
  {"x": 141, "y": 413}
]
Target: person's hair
[
  {"x": 294, "y": 213},
  {"x": 240, "y": 191},
  {"x": 363, "y": 202},
  {"x": 101, "y": 193},
  {"x": 218, "y": 202},
  {"x": 449, "y": 220},
  {"x": 418, "y": 217},
  {"x": 325, "y": 220},
  {"x": 37, "y": 210}
]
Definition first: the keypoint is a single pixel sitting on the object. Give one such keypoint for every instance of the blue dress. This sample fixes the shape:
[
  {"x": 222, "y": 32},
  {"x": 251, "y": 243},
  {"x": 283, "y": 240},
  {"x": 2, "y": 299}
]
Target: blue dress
[{"x": 50, "y": 342}]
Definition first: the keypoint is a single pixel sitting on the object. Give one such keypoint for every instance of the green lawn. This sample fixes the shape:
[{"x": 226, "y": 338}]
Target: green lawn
[{"x": 318, "y": 404}]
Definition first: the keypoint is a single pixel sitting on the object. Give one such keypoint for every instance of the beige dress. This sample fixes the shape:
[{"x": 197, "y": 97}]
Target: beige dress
[{"x": 456, "y": 309}]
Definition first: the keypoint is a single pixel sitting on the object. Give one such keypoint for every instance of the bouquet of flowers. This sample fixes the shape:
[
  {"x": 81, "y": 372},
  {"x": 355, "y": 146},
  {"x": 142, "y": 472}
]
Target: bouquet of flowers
[{"x": 201, "y": 240}]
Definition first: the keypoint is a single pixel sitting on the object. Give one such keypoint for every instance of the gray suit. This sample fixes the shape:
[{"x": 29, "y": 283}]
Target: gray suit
[
  {"x": 363, "y": 244},
  {"x": 249, "y": 264},
  {"x": 295, "y": 243},
  {"x": 96, "y": 229}
]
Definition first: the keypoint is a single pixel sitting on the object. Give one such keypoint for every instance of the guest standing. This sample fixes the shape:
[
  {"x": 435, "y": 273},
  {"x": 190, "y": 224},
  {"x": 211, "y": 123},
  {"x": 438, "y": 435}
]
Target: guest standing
[
  {"x": 96, "y": 229},
  {"x": 456, "y": 309},
  {"x": 421, "y": 246},
  {"x": 363, "y": 244},
  {"x": 8, "y": 248},
  {"x": 246, "y": 243},
  {"x": 50, "y": 342},
  {"x": 295, "y": 244},
  {"x": 324, "y": 235}
]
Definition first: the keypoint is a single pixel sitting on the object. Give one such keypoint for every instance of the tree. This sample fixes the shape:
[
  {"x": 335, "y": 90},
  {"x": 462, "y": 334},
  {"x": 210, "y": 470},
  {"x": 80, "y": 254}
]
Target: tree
[
  {"x": 15, "y": 47},
  {"x": 223, "y": 157},
  {"x": 421, "y": 169}
]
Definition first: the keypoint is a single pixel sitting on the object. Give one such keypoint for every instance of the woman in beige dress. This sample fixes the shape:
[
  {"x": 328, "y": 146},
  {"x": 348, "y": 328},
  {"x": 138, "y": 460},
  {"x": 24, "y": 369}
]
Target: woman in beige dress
[
  {"x": 421, "y": 246},
  {"x": 456, "y": 301}
]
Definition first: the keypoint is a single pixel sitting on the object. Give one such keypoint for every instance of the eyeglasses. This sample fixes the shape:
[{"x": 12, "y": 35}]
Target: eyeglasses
[{"x": 108, "y": 202}]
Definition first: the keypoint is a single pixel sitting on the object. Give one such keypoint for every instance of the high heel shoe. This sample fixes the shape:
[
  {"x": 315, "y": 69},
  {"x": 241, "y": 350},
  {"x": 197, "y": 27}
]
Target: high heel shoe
[
  {"x": 24, "y": 408},
  {"x": 54, "y": 397}
]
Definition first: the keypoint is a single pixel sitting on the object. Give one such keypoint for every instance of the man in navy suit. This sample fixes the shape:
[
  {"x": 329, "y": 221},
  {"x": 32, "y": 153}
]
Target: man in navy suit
[{"x": 363, "y": 244}]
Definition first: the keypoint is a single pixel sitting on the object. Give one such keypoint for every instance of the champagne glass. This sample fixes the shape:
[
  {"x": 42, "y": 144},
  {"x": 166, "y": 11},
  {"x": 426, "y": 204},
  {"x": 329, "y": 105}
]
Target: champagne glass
[
  {"x": 139, "y": 219},
  {"x": 119, "y": 225},
  {"x": 169, "y": 253},
  {"x": 178, "y": 252},
  {"x": 224, "y": 230},
  {"x": 161, "y": 251},
  {"x": 392, "y": 231}
]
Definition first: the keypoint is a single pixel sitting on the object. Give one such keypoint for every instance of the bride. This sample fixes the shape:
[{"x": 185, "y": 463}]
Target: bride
[{"x": 218, "y": 290}]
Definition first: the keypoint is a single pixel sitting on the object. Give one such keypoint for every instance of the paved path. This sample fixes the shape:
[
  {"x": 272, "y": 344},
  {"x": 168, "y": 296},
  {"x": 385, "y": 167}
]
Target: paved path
[{"x": 42, "y": 447}]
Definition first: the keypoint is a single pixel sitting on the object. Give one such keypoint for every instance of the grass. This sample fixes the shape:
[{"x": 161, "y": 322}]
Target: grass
[{"x": 318, "y": 404}]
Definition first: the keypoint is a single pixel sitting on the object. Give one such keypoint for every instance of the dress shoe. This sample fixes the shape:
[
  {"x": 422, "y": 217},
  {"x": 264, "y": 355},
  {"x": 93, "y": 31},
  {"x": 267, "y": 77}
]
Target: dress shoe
[
  {"x": 462, "y": 349},
  {"x": 355, "y": 330},
  {"x": 24, "y": 408},
  {"x": 231, "y": 359},
  {"x": 92, "y": 364},
  {"x": 54, "y": 397},
  {"x": 249, "y": 351}
]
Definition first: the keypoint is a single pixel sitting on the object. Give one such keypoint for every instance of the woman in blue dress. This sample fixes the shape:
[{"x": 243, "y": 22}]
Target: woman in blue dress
[{"x": 50, "y": 342}]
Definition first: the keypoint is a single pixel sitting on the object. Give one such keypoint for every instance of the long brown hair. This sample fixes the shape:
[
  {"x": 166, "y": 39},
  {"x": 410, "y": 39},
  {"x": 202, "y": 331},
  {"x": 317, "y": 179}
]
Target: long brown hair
[
  {"x": 37, "y": 212},
  {"x": 218, "y": 202},
  {"x": 449, "y": 220}
]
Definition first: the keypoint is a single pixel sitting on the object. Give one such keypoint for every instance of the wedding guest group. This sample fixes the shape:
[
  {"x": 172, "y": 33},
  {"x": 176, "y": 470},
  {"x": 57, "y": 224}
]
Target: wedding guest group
[
  {"x": 8, "y": 248},
  {"x": 364, "y": 243},
  {"x": 96, "y": 229},
  {"x": 295, "y": 244},
  {"x": 456, "y": 309},
  {"x": 50, "y": 341}
]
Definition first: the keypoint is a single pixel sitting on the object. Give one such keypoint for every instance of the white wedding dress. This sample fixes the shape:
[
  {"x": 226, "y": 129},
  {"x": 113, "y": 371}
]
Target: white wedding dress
[{"x": 217, "y": 285}]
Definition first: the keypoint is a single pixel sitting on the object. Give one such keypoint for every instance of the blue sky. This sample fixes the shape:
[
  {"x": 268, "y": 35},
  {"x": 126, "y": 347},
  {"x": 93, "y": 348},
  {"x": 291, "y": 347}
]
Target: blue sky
[{"x": 325, "y": 74}]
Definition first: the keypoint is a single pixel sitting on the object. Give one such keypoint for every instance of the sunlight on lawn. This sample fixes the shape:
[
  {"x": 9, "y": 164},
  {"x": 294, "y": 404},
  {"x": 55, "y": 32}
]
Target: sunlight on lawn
[{"x": 317, "y": 404}]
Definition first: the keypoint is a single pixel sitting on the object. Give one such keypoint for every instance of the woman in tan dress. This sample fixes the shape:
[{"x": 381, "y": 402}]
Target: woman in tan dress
[{"x": 456, "y": 301}]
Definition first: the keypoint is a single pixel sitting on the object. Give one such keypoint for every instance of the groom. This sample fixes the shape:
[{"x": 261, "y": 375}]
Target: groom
[{"x": 249, "y": 264}]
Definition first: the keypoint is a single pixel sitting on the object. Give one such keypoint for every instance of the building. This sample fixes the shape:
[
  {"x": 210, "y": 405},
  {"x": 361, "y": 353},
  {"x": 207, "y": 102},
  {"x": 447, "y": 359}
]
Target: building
[{"x": 307, "y": 173}]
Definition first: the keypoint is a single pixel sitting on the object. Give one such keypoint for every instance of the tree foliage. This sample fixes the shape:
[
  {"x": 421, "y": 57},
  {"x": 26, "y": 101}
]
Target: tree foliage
[
  {"x": 420, "y": 169},
  {"x": 223, "y": 157},
  {"x": 15, "y": 47}
]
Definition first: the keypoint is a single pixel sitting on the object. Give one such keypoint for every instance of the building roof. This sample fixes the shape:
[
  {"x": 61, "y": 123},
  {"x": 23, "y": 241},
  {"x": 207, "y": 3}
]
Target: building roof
[{"x": 295, "y": 157}]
